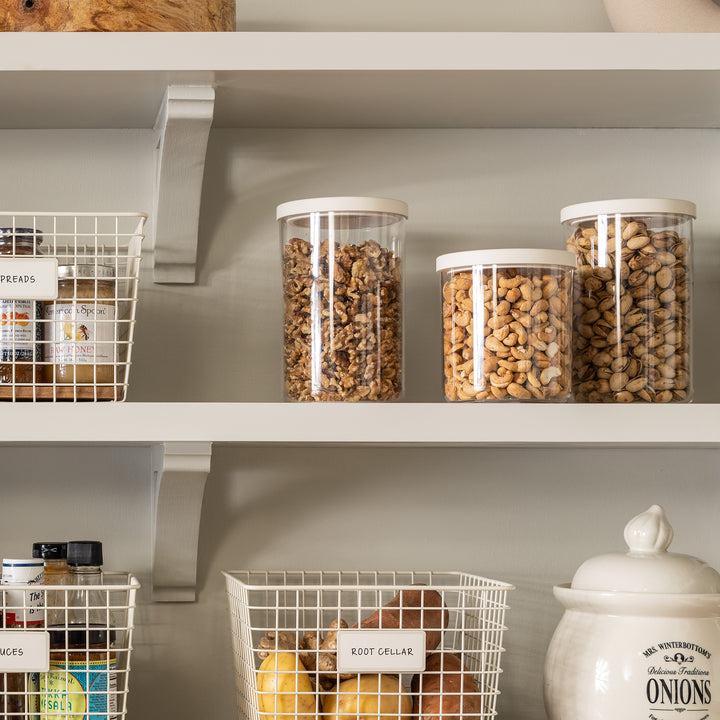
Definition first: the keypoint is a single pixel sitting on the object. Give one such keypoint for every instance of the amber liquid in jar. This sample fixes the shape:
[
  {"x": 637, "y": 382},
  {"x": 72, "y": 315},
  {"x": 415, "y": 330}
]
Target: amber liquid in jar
[
  {"x": 80, "y": 336},
  {"x": 19, "y": 329}
]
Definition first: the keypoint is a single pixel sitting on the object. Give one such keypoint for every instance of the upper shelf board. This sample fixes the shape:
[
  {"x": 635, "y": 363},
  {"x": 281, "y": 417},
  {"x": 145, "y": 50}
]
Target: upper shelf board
[
  {"x": 345, "y": 424},
  {"x": 118, "y": 80}
]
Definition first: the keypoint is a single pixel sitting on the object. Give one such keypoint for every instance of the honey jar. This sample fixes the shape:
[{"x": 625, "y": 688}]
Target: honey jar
[{"x": 80, "y": 343}]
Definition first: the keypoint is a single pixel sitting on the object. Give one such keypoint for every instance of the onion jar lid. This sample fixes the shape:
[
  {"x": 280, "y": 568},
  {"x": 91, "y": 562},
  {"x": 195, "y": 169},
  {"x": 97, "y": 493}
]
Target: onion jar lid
[
  {"x": 628, "y": 206},
  {"x": 342, "y": 205},
  {"x": 506, "y": 257},
  {"x": 647, "y": 566}
]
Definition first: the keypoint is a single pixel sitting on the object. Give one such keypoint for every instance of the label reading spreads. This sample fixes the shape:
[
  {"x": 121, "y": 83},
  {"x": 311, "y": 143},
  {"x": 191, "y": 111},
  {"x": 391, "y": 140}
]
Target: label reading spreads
[
  {"x": 24, "y": 651},
  {"x": 377, "y": 651},
  {"x": 33, "y": 278}
]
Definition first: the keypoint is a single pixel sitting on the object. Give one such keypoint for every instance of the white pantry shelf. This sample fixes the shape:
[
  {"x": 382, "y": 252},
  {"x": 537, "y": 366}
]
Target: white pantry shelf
[
  {"x": 119, "y": 80},
  {"x": 399, "y": 424}
]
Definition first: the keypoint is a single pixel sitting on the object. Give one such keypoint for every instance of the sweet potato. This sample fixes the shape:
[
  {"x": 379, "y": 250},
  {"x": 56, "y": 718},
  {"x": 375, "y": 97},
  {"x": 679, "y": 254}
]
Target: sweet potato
[
  {"x": 445, "y": 690},
  {"x": 410, "y": 610}
]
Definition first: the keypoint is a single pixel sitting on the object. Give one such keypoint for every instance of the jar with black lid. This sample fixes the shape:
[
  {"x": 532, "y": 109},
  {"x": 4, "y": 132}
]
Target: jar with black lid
[{"x": 19, "y": 330}]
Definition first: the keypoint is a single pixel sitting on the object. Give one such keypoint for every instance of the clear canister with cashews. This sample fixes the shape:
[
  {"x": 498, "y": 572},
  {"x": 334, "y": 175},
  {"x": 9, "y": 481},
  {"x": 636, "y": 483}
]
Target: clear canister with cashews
[
  {"x": 507, "y": 324},
  {"x": 632, "y": 304}
]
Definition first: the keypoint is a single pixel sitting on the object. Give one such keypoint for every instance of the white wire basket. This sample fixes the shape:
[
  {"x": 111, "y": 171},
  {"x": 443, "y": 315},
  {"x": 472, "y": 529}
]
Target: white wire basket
[
  {"x": 342, "y": 644},
  {"x": 68, "y": 296},
  {"x": 85, "y": 646}
]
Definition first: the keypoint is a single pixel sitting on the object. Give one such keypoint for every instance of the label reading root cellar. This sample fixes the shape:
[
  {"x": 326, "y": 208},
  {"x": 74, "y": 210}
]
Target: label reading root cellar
[
  {"x": 378, "y": 651},
  {"x": 678, "y": 680}
]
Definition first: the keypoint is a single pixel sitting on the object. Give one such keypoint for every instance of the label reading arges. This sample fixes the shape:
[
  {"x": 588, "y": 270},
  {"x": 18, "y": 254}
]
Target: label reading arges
[
  {"x": 22, "y": 651},
  {"x": 378, "y": 651},
  {"x": 33, "y": 278}
]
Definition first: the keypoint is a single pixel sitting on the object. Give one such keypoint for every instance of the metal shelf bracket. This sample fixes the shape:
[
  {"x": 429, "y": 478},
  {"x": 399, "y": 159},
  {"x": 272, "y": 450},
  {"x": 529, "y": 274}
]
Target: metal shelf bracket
[
  {"x": 180, "y": 470},
  {"x": 182, "y": 128}
]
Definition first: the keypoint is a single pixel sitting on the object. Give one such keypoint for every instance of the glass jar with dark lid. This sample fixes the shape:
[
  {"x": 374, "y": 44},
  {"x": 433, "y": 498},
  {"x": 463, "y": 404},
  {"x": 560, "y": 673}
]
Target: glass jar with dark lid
[{"x": 19, "y": 330}]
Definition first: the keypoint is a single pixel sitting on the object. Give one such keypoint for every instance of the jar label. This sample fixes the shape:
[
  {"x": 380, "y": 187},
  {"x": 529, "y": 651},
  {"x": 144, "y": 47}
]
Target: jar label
[
  {"x": 79, "y": 690},
  {"x": 19, "y": 333},
  {"x": 678, "y": 678},
  {"x": 80, "y": 333},
  {"x": 24, "y": 607}
]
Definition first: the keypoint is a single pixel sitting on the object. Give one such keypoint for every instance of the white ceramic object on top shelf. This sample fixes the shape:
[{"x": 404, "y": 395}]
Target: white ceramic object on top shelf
[{"x": 663, "y": 15}]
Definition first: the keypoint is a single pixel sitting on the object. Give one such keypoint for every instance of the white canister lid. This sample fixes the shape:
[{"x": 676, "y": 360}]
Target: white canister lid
[
  {"x": 507, "y": 257},
  {"x": 342, "y": 205},
  {"x": 647, "y": 566},
  {"x": 628, "y": 206}
]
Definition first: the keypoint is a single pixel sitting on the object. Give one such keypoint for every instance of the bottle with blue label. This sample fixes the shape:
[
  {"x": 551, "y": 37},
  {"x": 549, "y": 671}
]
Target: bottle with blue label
[{"x": 82, "y": 681}]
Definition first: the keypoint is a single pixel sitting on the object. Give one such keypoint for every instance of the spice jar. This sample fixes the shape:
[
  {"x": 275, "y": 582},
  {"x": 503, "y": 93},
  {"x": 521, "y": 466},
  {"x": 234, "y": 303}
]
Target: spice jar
[
  {"x": 342, "y": 285},
  {"x": 507, "y": 319},
  {"x": 632, "y": 299},
  {"x": 80, "y": 345},
  {"x": 19, "y": 331}
]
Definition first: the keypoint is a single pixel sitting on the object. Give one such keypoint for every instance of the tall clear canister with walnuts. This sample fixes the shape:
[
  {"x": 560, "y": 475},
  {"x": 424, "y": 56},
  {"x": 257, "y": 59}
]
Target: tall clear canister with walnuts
[
  {"x": 343, "y": 294},
  {"x": 632, "y": 302}
]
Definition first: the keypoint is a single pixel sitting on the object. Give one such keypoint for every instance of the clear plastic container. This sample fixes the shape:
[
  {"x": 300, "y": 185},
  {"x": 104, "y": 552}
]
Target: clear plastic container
[
  {"x": 507, "y": 324},
  {"x": 343, "y": 292},
  {"x": 632, "y": 317}
]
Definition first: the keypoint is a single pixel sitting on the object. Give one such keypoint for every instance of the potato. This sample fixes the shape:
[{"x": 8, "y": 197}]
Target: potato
[
  {"x": 413, "y": 609},
  {"x": 284, "y": 688},
  {"x": 371, "y": 696},
  {"x": 437, "y": 690}
]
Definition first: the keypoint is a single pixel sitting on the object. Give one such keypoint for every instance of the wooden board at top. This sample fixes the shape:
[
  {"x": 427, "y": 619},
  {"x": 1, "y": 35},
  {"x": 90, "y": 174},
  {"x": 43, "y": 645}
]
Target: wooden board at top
[{"x": 117, "y": 15}]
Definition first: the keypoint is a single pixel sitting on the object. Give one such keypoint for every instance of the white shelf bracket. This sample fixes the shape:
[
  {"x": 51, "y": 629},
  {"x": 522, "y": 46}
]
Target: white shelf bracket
[
  {"x": 180, "y": 470},
  {"x": 182, "y": 128}
]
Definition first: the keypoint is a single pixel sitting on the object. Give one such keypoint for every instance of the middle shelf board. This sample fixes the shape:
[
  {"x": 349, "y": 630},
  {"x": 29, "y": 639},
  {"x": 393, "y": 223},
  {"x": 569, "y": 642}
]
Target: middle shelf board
[
  {"x": 346, "y": 424},
  {"x": 385, "y": 79}
]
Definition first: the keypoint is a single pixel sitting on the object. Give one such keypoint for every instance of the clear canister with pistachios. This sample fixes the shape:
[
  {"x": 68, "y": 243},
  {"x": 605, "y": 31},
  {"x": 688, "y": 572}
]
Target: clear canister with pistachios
[
  {"x": 632, "y": 299},
  {"x": 507, "y": 324}
]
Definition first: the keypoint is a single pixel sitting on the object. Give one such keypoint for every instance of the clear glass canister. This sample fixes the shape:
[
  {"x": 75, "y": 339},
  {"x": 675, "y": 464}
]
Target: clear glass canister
[
  {"x": 80, "y": 327},
  {"x": 343, "y": 292},
  {"x": 19, "y": 330},
  {"x": 507, "y": 324},
  {"x": 632, "y": 317}
]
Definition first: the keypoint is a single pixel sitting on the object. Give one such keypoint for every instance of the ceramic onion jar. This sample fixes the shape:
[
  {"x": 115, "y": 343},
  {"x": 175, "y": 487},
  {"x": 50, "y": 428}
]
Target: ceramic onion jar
[{"x": 640, "y": 636}]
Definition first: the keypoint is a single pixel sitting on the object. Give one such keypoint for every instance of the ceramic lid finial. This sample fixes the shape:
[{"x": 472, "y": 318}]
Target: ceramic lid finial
[{"x": 649, "y": 532}]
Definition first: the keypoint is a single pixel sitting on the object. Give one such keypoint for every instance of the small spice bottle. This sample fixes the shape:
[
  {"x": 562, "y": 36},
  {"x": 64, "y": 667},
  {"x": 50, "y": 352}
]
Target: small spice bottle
[
  {"x": 57, "y": 572},
  {"x": 19, "y": 331},
  {"x": 80, "y": 340}
]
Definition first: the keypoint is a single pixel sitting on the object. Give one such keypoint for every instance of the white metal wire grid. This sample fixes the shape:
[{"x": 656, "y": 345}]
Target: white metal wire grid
[
  {"x": 82, "y": 342},
  {"x": 94, "y": 653},
  {"x": 296, "y": 605}
]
